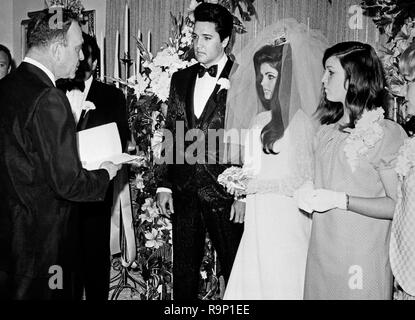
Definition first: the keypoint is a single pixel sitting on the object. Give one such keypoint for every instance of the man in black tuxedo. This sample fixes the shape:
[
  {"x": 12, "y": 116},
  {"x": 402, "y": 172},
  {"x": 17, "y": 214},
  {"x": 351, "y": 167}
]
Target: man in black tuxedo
[
  {"x": 41, "y": 175},
  {"x": 95, "y": 217},
  {"x": 198, "y": 101}
]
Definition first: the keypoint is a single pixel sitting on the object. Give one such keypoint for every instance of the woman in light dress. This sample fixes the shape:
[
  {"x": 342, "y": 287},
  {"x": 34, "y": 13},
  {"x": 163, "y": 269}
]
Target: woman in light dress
[
  {"x": 274, "y": 92},
  {"x": 355, "y": 180}
]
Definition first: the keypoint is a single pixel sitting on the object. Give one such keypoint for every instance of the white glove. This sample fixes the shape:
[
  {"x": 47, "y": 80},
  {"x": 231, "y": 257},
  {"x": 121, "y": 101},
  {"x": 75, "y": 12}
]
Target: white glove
[
  {"x": 303, "y": 196},
  {"x": 322, "y": 200}
]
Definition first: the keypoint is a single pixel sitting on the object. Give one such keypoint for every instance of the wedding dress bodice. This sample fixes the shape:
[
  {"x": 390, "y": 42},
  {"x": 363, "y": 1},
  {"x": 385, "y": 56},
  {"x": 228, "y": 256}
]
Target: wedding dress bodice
[{"x": 286, "y": 171}]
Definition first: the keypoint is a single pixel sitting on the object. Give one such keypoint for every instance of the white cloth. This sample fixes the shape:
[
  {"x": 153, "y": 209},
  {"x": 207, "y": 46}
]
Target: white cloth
[
  {"x": 204, "y": 87},
  {"x": 41, "y": 67},
  {"x": 271, "y": 258},
  {"x": 77, "y": 98}
]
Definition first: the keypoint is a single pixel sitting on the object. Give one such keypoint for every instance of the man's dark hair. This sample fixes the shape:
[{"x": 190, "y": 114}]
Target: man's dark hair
[
  {"x": 90, "y": 47},
  {"x": 44, "y": 28},
  {"x": 91, "y": 50},
  {"x": 7, "y": 52},
  {"x": 217, "y": 14}
]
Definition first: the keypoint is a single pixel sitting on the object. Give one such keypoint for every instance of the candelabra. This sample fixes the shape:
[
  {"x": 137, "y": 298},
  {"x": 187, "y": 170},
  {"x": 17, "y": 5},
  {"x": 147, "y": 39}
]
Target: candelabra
[{"x": 123, "y": 279}]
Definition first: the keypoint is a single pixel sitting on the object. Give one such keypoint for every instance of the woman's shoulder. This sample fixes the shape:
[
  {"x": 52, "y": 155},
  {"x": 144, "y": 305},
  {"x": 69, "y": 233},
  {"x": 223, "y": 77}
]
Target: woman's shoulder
[{"x": 393, "y": 132}]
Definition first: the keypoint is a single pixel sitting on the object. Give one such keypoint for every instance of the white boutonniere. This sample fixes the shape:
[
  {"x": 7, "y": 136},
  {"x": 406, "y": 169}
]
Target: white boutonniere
[
  {"x": 364, "y": 136},
  {"x": 224, "y": 84},
  {"x": 406, "y": 158},
  {"x": 87, "y": 106}
]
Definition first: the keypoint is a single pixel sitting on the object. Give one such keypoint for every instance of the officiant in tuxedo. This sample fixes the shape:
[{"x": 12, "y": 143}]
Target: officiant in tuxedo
[
  {"x": 108, "y": 105},
  {"x": 41, "y": 176},
  {"x": 190, "y": 192}
]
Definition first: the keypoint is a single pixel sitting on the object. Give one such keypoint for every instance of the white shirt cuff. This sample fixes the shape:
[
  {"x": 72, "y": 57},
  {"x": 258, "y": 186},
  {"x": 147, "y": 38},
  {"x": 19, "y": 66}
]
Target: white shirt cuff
[{"x": 164, "y": 190}]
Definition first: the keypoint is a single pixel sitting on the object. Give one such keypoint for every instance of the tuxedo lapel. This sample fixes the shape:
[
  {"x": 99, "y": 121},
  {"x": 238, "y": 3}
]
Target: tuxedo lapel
[
  {"x": 83, "y": 120},
  {"x": 212, "y": 102},
  {"x": 190, "y": 113}
]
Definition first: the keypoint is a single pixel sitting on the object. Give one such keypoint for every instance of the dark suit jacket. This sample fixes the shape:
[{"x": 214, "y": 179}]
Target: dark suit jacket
[
  {"x": 40, "y": 174},
  {"x": 200, "y": 178}
]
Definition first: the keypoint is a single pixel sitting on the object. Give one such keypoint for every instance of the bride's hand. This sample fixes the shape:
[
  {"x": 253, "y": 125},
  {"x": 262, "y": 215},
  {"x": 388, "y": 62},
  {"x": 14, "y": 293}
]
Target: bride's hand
[{"x": 238, "y": 212}]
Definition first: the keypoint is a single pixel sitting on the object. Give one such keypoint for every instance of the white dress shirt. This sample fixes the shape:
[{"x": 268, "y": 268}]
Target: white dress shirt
[
  {"x": 204, "y": 87},
  {"x": 41, "y": 67},
  {"x": 77, "y": 98}
]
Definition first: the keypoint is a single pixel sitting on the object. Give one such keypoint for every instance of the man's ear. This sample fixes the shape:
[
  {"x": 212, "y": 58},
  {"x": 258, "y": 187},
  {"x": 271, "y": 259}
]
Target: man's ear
[
  {"x": 225, "y": 42},
  {"x": 56, "y": 51}
]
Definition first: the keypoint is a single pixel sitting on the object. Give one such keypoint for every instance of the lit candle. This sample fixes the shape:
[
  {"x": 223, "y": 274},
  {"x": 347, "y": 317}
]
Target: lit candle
[
  {"x": 116, "y": 59},
  {"x": 367, "y": 30},
  {"x": 308, "y": 24},
  {"x": 102, "y": 58},
  {"x": 126, "y": 29},
  {"x": 149, "y": 41}
]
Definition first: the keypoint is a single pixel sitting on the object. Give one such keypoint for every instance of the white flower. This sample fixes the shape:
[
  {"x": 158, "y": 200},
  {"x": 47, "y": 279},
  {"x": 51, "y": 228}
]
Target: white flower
[
  {"x": 139, "y": 182},
  {"x": 364, "y": 136},
  {"x": 406, "y": 157},
  {"x": 156, "y": 143},
  {"x": 203, "y": 274},
  {"x": 87, "y": 106},
  {"x": 224, "y": 84},
  {"x": 150, "y": 210},
  {"x": 139, "y": 84},
  {"x": 153, "y": 239}
]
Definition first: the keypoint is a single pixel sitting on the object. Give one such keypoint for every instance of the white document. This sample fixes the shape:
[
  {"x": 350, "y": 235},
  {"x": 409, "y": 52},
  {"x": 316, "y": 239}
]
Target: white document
[{"x": 101, "y": 144}]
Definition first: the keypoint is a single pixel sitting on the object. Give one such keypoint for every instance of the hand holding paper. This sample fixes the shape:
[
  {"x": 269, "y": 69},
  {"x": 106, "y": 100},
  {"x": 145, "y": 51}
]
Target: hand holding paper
[
  {"x": 101, "y": 144},
  {"x": 111, "y": 168}
]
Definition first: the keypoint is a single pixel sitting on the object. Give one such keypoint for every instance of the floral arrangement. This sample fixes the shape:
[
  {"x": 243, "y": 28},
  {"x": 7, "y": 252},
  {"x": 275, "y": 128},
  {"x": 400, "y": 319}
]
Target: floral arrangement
[
  {"x": 389, "y": 15},
  {"x": 395, "y": 19},
  {"x": 406, "y": 158},
  {"x": 235, "y": 180},
  {"x": 391, "y": 54},
  {"x": 364, "y": 136}
]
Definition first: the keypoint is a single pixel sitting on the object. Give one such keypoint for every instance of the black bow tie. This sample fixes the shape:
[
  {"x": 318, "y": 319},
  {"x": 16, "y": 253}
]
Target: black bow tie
[
  {"x": 72, "y": 84},
  {"x": 213, "y": 71}
]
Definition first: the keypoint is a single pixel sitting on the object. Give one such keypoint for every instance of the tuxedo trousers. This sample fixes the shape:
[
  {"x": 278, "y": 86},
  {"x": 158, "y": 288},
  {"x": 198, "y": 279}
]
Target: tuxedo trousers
[
  {"x": 94, "y": 267},
  {"x": 194, "y": 217}
]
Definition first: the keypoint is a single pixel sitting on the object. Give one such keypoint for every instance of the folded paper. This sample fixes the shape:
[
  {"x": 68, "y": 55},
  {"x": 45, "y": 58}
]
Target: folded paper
[{"x": 101, "y": 144}]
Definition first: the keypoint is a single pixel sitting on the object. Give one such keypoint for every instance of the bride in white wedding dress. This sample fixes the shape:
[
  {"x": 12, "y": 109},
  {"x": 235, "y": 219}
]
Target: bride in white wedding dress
[{"x": 277, "y": 85}]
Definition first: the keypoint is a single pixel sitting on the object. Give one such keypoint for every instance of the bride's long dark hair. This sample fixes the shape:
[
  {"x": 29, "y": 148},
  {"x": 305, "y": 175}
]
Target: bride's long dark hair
[{"x": 274, "y": 130}]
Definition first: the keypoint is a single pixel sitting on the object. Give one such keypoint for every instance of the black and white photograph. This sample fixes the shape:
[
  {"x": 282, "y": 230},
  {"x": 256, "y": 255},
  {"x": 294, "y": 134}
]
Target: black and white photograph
[{"x": 207, "y": 154}]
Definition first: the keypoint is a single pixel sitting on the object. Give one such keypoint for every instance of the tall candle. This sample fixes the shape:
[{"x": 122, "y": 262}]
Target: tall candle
[
  {"x": 126, "y": 29},
  {"x": 116, "y": 59},
  {"x": 149, "y": 41},
  {"x": 138, "y": 54},
  {"x": 102, "y": 58}
]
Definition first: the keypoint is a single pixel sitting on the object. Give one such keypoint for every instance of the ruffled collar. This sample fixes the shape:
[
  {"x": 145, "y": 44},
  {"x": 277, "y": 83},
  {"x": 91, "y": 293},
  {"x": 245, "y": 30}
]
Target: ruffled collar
[{"x": 366, "y": 134}]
